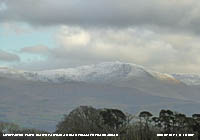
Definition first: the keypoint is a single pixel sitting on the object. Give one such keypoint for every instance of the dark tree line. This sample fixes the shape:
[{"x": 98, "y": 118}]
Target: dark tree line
[{"x": 144, "y": 126}]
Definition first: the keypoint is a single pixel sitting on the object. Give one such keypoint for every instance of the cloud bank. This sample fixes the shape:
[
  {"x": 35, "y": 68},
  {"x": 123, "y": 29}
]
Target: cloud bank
[
  {"x": 79, "y": 46},
  {"x": 169, "y": 14},
  {"x": 161, "y": 34}
]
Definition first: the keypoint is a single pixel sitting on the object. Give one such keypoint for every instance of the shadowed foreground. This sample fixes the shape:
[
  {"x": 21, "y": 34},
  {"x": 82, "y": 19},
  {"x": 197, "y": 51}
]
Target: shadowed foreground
[{"x": 88, "y": 120}]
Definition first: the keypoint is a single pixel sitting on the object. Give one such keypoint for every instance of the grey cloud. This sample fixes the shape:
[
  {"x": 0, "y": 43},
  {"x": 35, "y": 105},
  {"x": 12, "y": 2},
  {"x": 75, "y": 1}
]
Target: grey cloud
[
  {"x": 8, "y": 57},
  {"x": 175, "y": 15}
]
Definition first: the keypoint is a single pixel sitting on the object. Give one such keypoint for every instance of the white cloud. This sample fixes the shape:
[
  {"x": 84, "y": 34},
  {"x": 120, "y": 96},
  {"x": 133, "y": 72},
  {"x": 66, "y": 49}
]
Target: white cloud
[
  {"x": 77, "y": 37},
  {"x": 163, "y": 52},
  {"x": 129, "y": 44}
]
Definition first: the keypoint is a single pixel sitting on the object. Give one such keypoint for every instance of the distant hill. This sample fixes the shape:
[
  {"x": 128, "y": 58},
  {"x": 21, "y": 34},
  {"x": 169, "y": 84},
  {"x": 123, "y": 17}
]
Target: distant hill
[{"x": 39, "y": 99}]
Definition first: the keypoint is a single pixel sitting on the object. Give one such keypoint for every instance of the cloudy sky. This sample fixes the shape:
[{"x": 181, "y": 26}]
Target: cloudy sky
[{"x": 44, "y": 34}]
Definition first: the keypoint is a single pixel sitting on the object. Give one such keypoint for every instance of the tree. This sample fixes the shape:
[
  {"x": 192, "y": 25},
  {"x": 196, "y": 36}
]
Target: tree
[
  {"x": 145, "y": 115},
  {"x": 179, "y": 123},
  {"x": 196, "y": 126},
  {"x": 8, "y": 127},
  {"x": 166, "y": 118},
  {"x": 86, "y": 119},
  {"x": 114, "y": 118},
  {"x": 83, "y": 119}
]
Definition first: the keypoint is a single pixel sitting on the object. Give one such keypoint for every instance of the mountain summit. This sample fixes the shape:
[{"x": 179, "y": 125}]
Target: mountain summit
[{"x": 106, "y": 72}]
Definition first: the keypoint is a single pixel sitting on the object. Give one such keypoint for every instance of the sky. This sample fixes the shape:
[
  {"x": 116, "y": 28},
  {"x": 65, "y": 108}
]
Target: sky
[{"x": 43, "y": 34}]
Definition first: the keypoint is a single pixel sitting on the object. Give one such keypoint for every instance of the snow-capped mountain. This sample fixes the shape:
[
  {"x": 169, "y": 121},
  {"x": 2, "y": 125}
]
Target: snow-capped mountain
[
  {"x": 107, "y": 72},
  {"x": 25, "y": 96}
]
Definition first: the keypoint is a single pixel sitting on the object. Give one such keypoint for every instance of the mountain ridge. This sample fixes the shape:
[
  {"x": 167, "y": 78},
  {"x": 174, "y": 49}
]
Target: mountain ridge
[
  {"x": 86, "y": 73},
  {"x": 103, "y": 72}
]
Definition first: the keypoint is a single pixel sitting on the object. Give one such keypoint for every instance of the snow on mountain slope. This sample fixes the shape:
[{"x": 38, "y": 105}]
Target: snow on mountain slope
[
  {"x": 103, "y": 72},
  {"x": 106, "y": 72},
  {"x": 189, "y": 79}
]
